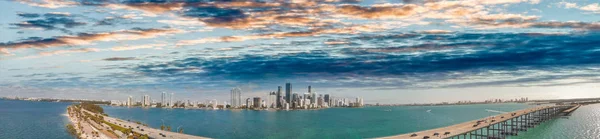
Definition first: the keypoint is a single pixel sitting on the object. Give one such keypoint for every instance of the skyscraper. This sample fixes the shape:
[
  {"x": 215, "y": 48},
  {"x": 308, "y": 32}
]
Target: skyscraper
[
  {"x": 145, "y": 100},
  {"x": 271, "y": 100},
  {"x": 248, "y": 102},
  {"x": 309, "y": 89},
  {"x": 295, "y": 100},
  {"x": 288, "y": 92},
  {"x": 163, "y": 99},
  {"x": 279, "y": 105},
  {"x": 130, "y": 101},
  {"x": 307, "y": 97},
  {"x": 171, "y": 100},
  {"x": 313, "y": 98},
  {"x": 320, "y": 101},
  {"x": 326, "y": 98},
  {"x": 236, "y": 97},
  {"x": 257, "y": 101}
]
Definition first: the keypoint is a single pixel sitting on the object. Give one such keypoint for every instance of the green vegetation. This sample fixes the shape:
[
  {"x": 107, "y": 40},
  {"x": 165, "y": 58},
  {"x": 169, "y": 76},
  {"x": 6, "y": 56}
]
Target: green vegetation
[
  {"x": 119, "y": 128},
  {"x": 71, "y": 130},
  {"x": 98, "y": 117},
  {"x": 145, "y": 136},
  {"x": 92, "y": 107},
  {"x": 95, "y": 118}
]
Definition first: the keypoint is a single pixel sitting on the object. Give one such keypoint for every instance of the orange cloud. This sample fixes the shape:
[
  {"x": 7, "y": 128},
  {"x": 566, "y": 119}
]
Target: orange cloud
[
  {"x": 59, "y": 52},
  {"x": 135, "y": 47},
  {"x": 315, "y": 32},
  {"x": 385, "y": 11},
  {"x": 49, "y": 3},
  {"x": 85, "y": 38}
]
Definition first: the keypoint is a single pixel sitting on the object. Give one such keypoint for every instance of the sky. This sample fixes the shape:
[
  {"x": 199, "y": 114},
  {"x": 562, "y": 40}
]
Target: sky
[{"x": 385, "y": 51}]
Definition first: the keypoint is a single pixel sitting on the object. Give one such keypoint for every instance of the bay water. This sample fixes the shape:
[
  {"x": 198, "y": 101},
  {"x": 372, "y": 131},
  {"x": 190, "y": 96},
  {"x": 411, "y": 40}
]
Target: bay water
[
  {"x": 27, "y": 119},
  {"x": 33, "y": 120}
]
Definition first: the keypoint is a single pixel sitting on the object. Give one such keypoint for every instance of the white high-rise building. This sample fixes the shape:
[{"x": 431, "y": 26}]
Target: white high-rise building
[
  {"x": 359, "y": 101},
  {"x": 171, "y": 100},
  {"x": 320, "y": 101},
  {"x": 163, "y": 98},
  {"x": 236, "y": 97},
  {"x": 143, "y": 100},
  {"x": 146, "y": 100},
  {"x": 130, "y": 101}
]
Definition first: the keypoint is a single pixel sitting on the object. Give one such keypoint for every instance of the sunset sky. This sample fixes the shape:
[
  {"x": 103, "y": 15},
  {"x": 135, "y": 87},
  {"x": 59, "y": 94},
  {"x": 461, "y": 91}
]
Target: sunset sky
[{"x": 388, "y": 51}]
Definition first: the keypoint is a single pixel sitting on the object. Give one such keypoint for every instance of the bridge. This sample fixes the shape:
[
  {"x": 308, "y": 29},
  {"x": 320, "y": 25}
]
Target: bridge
[{"x": 495, "y": 127}]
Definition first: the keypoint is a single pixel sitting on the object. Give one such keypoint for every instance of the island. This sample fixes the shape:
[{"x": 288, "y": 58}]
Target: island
[{"x": 88, "y": 121}]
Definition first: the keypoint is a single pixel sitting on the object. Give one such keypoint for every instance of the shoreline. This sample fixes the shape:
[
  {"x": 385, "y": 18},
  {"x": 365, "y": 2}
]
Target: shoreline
[{"x": 111, "y": 127}]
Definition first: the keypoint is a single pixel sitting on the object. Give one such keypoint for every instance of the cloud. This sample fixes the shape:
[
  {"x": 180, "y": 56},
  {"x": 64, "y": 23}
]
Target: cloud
[
  {"x": 50, "y": 23},
  {"x": 568, "y": 5},
  {"x": 69, "y": 51},
  {"x": 119, "y": 59},
  {"x": 572, "y": 24},
  {"x": 386, "y": 11},
  {"x": 57, "y": 14},
  {"x": 49, "y": 3},
  {"x": 311, "y": 33},
  {"x": 135, "y": 47},
  {"x": 88, "y": 38},
  {"x": 445, "y": 57},
  {"x": 595, "y": 8},
  {"x": 436, "y": 31},
  {"x": 183, "y": 22},
  {"x": 535, "y": 1},
  {"x": 28, "y": 15}
]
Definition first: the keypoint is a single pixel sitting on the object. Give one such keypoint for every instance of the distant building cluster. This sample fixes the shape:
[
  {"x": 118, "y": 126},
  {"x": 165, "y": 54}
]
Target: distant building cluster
[
  {"x": 464, "y": 102},
  {"x": 274, "y": 100},
  {"x": 290, "y": 100},
  {"x": 523, "y": 99}
]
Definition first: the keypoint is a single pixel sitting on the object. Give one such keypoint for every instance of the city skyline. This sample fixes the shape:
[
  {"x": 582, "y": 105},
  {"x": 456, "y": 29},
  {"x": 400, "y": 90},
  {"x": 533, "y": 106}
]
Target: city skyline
[
  {"x": 407, "y": 51},
  {"x": 309, "y": 100}
]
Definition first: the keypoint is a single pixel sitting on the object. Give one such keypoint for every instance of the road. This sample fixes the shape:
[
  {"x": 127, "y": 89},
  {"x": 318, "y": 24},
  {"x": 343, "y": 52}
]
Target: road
[
  {"x": 459, "y": 129},
  {"x": 151, "y": 132}
]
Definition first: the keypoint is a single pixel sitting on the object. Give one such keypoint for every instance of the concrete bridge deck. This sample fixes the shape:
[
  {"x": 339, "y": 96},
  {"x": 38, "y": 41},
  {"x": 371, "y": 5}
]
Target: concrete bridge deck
[
  {"x": 572, "y": 109},
  {"x": 470, "y": 126}
]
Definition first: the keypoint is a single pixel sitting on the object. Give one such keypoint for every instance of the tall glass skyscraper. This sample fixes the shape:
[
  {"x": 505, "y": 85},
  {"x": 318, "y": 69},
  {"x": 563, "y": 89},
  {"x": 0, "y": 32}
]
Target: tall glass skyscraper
[
  {"x": 288, "y": 92},
  {"x": 278, "y": 99}
]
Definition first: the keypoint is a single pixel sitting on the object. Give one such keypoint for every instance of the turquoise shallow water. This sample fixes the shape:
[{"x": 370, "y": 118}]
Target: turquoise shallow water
[
  {"x": 25, "y": 119},
  {"x": 327, "y": 123},
  {"x": 584, "y": 123},
  {"x": 33, "y": 120}
]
